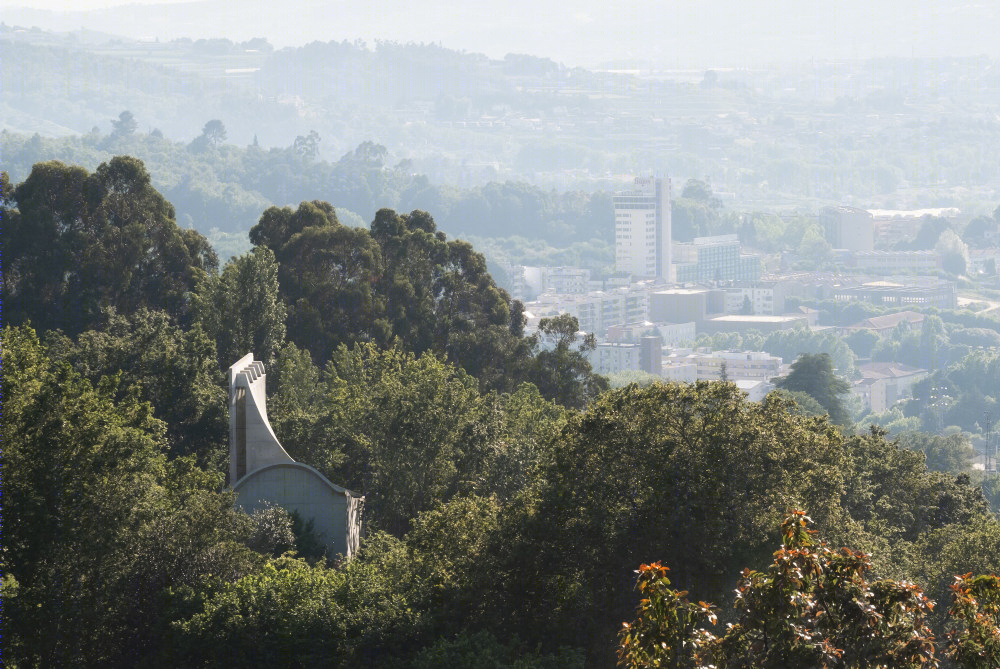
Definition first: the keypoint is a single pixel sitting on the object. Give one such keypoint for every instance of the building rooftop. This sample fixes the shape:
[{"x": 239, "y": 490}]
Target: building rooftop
[
  {"x": 844, "y": 209},
  {"x": 741, "y": 318},
  {"x": 681, "y": 291},
  {"x": 943, "y": 212},
  {"x": 887, "y": 321},
  {"x": 887, "y": 370}
]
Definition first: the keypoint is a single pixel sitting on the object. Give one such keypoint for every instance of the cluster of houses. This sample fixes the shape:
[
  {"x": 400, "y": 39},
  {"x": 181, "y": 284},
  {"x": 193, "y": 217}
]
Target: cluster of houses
[
  {"x": 665, "y": 295},
  {"x": 652, "y": 326}
]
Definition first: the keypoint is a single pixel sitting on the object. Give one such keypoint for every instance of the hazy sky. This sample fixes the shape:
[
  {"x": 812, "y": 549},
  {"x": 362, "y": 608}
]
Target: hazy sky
[
  {"x": 63, "y": 5},
  {"x": 576, "y": 32}
]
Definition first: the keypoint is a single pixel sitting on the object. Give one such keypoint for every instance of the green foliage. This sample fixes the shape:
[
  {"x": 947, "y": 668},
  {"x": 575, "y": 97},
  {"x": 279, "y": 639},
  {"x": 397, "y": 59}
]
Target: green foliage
[
  {"x": 273, "y": 530},
  {"x": 862, "y": 343},
  {"x": 453, "y": 548},
  {"x": 889, "y": 488},
  {"x": 791, "y": 344},
  {"x": 223, "y": 186},
  {"x": 622, "y": 379},
  {"x": 601, "y": 505},
  {"x": 407, "y": 427},
  {"x": 124, "y": 126},
  {"x": 295, "y": 406},
  {"x": 815, "y": 606},
  {"x": 285, "y": 615},
  {"x": 97, "y": 521},
  {"x": 668, "y": 631},
  {"x": 976, "y": 607},
  {"x": 812, "y": 607},
  {"x": 242, "y": 309},
  {"x": 158, "y": 362},
  {"x": 892, "y": 421},
  {"x": 952, "y": 453},
  {"x": 520, "y": 515},
  {"x": 563, "y": 373},
  {"x": 214, "y": 132},
  {"x": 962, "y": 395},
  {"x": 438, "y": 296},
  {"x": 82, "y": 242},
  {"x": 305, "y": 540},
  {"x": 520, "y": 427},
  {"x": 813, "y": 375},
  {"x": 805, "y": 404},
  {"x": 291, "y": 614},
  {"x": 690, "y": 218},
  {"x": 482, "y": 650}
]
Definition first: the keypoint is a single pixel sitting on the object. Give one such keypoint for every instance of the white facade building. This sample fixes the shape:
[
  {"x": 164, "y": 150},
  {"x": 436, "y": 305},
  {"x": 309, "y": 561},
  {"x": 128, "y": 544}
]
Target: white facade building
[
  {"x": 567, "y": 280},
  {"x": 610, "y": 358},
  {"x": 642, "y": 229},
  {"x": 596, "y": 311},
  {"x": 527, "y": 282},
  {"x": 739, "y": 365}
]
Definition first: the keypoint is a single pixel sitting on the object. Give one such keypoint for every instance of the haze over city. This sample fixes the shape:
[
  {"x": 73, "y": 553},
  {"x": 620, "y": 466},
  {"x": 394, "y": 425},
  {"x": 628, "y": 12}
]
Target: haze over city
[
  {"x": 500, "y": 335},
  {"x": 720, "y": 33}
]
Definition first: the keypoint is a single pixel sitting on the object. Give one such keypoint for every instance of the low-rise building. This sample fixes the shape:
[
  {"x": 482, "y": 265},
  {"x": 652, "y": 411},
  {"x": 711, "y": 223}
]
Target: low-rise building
[
  {"x": 679, "y": 370},
  {"x": 848, "y": 228},
  {"x": 715, "y": 259},
  {"x": 598, "y": 310},
  {"x": 671, "y": 333},
  {"x": 756, "y": 390},
  {"x": 883, "y": 384},
  {"x": 684, "y": 305},
  {"x": 710, "y": 365},
  {"x": 894, "y": 225},
  {"x": 897, "y": 262},
  {"x": 761, "y": 298},
  {"x": 612, "y": 357},
  {"x": 887, "y": 323},
  {"x": 527, "y": 282},
  {"x": 738, "y": 365},
  {"x": 983, "y": 261},
  {"x": 742, "y": 323},
  {"x": 573, "y": 280},
  {"x": 919, "y": 291}
]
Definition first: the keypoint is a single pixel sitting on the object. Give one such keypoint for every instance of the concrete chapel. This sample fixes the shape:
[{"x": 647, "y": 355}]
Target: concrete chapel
[{"x": 261, "y": 472}]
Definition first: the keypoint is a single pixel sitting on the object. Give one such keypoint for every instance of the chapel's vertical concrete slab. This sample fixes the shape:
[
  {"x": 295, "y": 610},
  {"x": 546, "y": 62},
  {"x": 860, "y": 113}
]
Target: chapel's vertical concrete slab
[{"x": 261, "y": 472}]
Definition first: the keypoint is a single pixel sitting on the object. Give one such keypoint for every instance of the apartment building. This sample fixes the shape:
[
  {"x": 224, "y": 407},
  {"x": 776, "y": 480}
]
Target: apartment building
[{"x": 643, "y": 230}]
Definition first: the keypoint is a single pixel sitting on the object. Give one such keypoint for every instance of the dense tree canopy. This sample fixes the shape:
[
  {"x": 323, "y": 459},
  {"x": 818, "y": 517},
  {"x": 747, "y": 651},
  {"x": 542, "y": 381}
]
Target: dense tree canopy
[
  {"x": 80, "y": 242},
  {"x": 812, "y": 607},
  {"x": 97, "y": 521},
  {"x": 402, "y": 280},
  {"x": 509, "y": 493},
  {"x": 813, "y": 374}
]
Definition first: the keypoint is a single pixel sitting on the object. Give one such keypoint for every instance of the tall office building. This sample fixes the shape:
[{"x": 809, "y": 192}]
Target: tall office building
[{"x": 642, "y": 229}]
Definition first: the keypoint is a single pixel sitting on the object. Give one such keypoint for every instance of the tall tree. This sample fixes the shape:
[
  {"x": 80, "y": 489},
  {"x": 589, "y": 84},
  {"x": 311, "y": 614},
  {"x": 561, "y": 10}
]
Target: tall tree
[
  {"x": 97, "y": 522},
  {"x": 125, "y": 125},
  {"x": 812, "y": 607},
  {"x": 813, "y": 374},
  {"x": 243, "y": 309},
  {"x": 82, "y": 242},
  {"x": 729, "y": 468},
  {"x": 404, "y": 423},
  {"x": 215, "y": 132},
  {"x": 561, "y": 371},
  {"x": 159, "y": 362}
]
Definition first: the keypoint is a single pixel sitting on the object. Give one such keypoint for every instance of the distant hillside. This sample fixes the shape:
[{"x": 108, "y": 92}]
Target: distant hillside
[{"x": 688, "y": 34}]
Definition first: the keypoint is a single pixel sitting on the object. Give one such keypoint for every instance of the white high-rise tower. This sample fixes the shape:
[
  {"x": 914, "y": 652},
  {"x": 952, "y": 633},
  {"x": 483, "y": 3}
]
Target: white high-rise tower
[{"x": 642, "y": 229}]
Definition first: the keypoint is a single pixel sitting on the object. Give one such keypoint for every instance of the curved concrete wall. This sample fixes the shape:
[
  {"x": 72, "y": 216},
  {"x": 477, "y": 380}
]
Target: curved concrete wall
[
  {"x": 298, "y": 487},
  {"x": 260, "y": 471}
]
